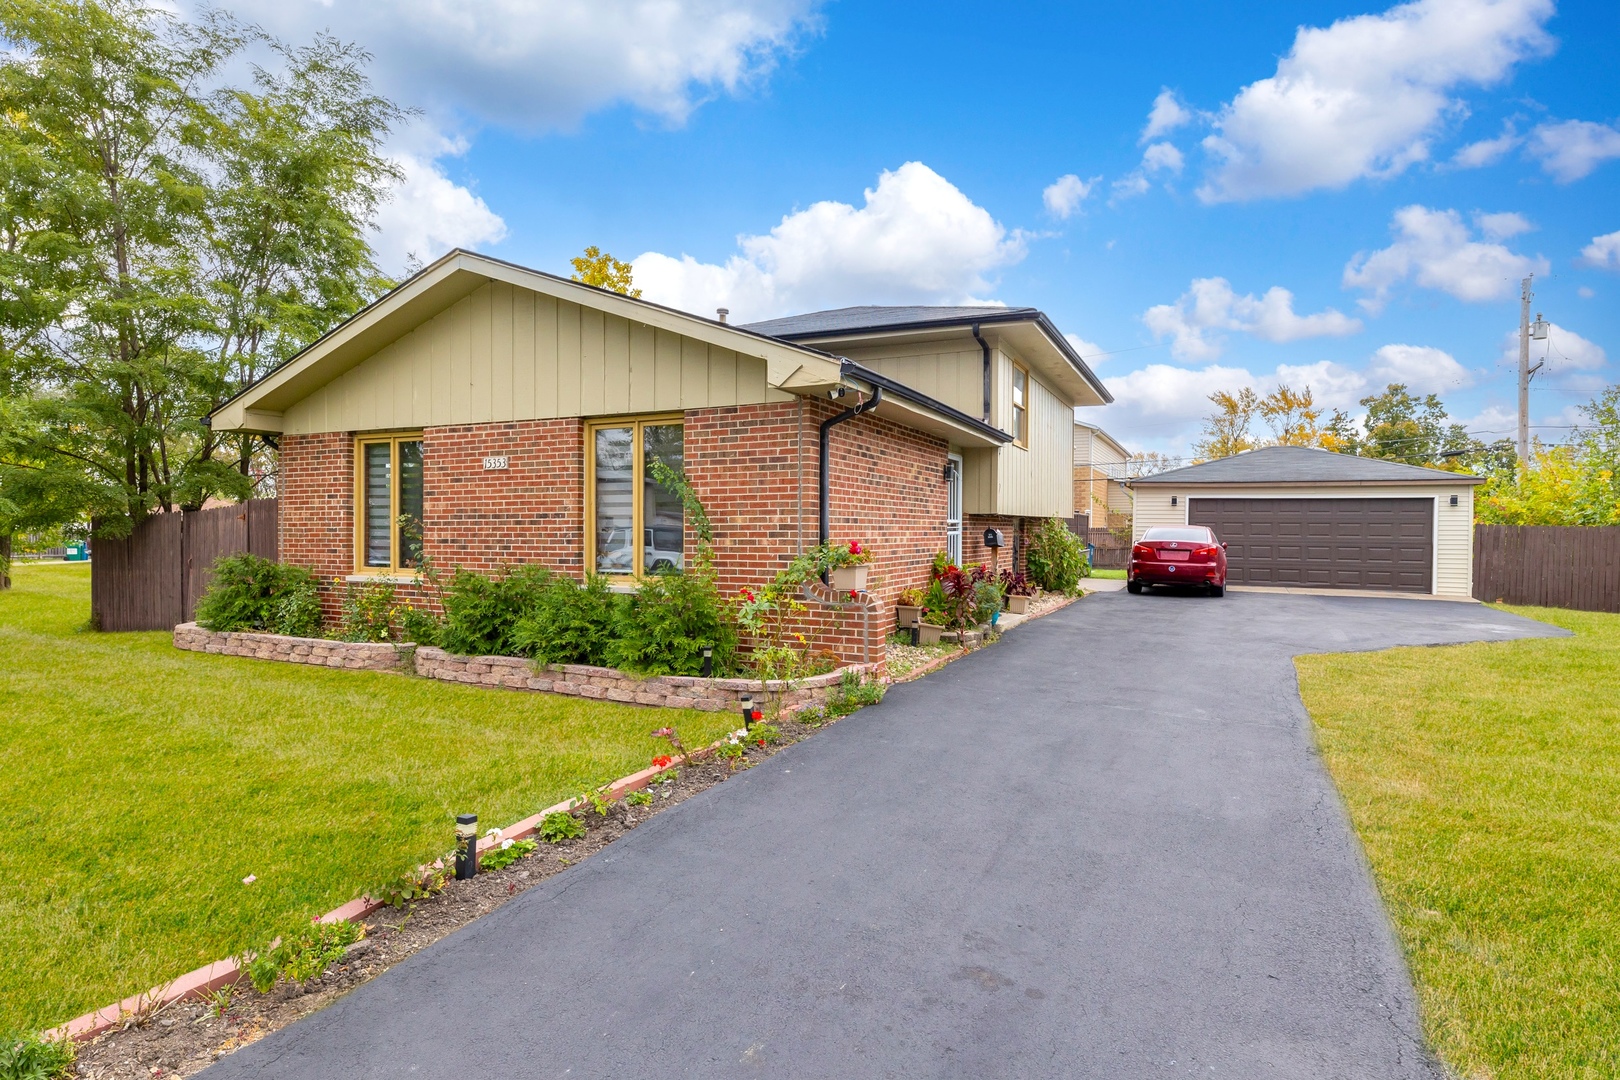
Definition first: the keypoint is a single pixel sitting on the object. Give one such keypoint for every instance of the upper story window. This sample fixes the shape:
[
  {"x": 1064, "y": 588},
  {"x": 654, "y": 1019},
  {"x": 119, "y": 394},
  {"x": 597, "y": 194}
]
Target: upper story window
[
  {"x": 1020, "y": 405},
  {"x": 388, "y": 488},
  {"x": 635, "y": 524}
]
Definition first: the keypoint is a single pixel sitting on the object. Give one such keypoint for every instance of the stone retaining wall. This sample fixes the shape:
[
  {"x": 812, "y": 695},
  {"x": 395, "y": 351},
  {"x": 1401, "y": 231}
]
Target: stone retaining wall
[
  {"x": 609, "y": 684},
  {"x": 355, "y": 655}
]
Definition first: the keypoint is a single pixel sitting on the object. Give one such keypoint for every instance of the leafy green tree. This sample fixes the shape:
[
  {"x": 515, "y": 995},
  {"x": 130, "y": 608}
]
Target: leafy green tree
[
  {"x": 596, "y": 267},
  {"x": 162, "y": 244},
  {"x": 1577, "y": 483},
  {"x": 1403, "y": 427}
]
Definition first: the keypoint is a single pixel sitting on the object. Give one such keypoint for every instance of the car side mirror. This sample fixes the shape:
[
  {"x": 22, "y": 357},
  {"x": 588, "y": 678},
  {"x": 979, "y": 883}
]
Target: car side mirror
[{"x": 1223, "y": 545}]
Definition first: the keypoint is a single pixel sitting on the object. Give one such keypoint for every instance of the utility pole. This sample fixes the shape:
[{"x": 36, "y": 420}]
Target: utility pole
[{"x": 1526, "y": 330}]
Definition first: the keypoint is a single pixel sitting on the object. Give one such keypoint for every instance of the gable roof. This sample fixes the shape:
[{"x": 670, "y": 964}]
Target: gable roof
[
  {"x": 1304, "y": 465},
  {"x": 1099, "y": 433},
  {"x": 841, "y": 324}
]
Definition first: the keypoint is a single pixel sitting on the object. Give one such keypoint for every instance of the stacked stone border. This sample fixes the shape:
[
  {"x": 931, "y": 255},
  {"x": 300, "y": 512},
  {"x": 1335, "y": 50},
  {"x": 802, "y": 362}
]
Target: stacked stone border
[
  {"x": 610, "y": 684},
  {"x": 321, "y": 652}
]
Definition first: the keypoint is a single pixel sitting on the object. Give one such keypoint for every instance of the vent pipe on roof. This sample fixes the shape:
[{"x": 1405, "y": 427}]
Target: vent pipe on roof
[
  {"x": 826, "y": 466},
  {"x": 984, "y": 346},
  {"x": 722, "y": 312}
]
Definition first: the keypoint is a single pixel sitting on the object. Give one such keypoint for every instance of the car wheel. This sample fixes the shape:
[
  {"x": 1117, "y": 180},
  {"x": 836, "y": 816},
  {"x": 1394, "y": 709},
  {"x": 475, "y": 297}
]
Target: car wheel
[
  {"x": 1133, "y": 587},
  {"x": 1217, "y": 590}
]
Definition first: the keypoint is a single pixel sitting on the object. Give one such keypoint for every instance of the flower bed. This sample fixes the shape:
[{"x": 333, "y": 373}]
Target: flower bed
[
  {"x": 321, "y": 652},
  {"x": 610, "y": 684}
]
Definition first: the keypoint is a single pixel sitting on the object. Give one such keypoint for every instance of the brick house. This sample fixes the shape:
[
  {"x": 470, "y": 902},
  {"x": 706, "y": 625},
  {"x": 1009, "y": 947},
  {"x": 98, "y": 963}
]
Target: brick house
[{"x": 514, "y": 414}]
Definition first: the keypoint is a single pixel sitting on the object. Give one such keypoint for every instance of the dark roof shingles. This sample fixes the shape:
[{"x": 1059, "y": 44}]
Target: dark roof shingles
[
  {"x": 869, "y": 317},
  {"x": 1303, "y": 465}
]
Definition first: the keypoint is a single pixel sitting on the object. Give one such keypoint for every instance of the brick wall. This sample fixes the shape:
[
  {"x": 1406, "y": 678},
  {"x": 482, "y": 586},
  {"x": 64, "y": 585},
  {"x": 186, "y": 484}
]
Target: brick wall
[
  {"x": 1015, "y": 534},
  {"x": 755, "y": 468}
]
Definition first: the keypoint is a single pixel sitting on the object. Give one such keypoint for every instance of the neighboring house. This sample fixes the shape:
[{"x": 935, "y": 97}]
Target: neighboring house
[
  {"x": 514, "y": 414},
  {"x": 1293, "y": 516},
  {"x": 1100, "y": 472}
]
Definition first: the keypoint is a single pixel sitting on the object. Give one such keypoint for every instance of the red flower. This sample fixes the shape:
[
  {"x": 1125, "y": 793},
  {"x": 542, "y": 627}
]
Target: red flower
[
  {"x": 662, "y": 761},
  {"x": 748, "y": 596},
  {"x": 853, "y": 595},
  {"x": 854, "y": 547}
]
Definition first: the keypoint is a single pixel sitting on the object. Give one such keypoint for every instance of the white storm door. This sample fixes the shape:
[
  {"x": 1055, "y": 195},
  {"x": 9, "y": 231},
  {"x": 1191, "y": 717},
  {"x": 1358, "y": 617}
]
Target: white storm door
[{"x": 953, "y": 511}]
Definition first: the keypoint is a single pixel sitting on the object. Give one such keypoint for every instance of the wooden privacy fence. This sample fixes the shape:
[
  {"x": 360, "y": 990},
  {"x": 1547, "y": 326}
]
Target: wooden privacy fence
[
  {"x": 1567, "y": 566},
  {"x": 152, "y": 579}
]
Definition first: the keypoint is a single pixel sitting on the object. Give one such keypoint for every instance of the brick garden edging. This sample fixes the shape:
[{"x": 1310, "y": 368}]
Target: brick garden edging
[
  {"x": 321, "y": 652},
  {"x": 610, "y": 684}
]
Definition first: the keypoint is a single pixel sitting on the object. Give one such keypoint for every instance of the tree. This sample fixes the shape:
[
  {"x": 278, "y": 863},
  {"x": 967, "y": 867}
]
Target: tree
[
  {"x": 1293, "y": 417},
  {"x": 596, "y": 267},
  {"x": 164, "y": 245},
  {"x": 1577, "y": 483},
  {"x": 1402, "y": 427},
  {"x": 1226, "y": 430},
  {"x": 1146, "y": 463}
]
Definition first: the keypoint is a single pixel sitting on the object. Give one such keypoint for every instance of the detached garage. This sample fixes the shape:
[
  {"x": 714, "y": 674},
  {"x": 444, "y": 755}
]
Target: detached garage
[{"x": 1294, "y": 517}]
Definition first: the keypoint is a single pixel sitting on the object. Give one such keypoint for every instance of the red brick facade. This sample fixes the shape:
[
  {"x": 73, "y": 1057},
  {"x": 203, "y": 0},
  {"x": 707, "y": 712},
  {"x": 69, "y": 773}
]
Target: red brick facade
[{"x": 755, "y": 468}]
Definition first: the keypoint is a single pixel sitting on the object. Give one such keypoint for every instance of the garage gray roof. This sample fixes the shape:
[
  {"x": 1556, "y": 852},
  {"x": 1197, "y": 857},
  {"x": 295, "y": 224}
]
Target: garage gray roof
[{"x": 1304, "y": 465}]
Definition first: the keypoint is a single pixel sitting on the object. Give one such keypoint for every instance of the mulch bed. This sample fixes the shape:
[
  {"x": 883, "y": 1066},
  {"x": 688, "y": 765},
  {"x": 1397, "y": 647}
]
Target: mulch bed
[{"x": 184, "y": 1038}]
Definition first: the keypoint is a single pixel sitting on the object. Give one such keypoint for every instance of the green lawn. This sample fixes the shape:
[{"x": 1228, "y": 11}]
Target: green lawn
[
  {"x": 1114, "y": 575},
  {"x": 1484, "y": 781},
  {"x": 139, "y": 785}
]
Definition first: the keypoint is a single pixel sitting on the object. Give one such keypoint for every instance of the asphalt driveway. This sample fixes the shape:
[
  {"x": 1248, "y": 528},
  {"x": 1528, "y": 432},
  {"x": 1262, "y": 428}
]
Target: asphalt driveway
[{"x": 1103, "y": 848}]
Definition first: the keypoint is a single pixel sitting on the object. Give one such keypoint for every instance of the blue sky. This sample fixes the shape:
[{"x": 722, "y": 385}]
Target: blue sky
[{"x": 1332, "y": 195}]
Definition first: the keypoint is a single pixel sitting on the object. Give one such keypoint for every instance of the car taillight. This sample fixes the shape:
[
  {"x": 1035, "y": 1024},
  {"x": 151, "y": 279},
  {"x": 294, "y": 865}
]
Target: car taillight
[
  {"x": 1204, "y": 553},
  {"x": 1141, "y": 551}
]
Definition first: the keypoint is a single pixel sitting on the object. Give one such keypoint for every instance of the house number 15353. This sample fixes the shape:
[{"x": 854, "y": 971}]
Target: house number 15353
[{"x": 496, "y": 462}]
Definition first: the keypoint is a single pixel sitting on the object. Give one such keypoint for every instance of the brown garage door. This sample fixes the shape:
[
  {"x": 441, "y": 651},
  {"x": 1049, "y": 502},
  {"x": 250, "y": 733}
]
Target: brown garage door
[{"x": 1324, "y": 543}]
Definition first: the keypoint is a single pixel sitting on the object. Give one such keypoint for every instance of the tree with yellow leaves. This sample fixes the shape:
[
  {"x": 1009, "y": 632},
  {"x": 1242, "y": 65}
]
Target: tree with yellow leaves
[
  {"x": 596, "y": 267},
  {"x": 1226, "y": 430}
]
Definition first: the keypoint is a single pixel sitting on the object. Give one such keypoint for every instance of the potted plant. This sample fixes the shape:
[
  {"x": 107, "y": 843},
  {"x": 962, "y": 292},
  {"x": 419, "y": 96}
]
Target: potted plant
[
  {"x": 909, "y": 608},
  {"x": 931, "y": 628},
  {"x": 847, "y": 566},
  {"x": 1019, "y": 592}
]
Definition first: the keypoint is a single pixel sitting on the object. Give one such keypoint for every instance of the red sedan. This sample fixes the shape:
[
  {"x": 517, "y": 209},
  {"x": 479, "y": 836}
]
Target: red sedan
[{"x": 1178, "y": 555}]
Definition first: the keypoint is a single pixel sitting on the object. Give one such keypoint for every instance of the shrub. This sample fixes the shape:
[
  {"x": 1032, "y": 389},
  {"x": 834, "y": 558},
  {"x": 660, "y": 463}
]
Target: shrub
[
  {"x": 570, "y": 623},
  {"x": 987, "y": 599},
  {"x": 1057, "y": 557},
  {"x": 29, "y": 1057},
  {"x": 368, "y": 612},
  {"x": 419, "y": 626},
  {"x": 250, "y": 593},
  {"x": 854, "y": 691},
  {"x": 672, "y": 618},
  {"x": 303, "y": 954},
  {"x": 481, "y": 613}
]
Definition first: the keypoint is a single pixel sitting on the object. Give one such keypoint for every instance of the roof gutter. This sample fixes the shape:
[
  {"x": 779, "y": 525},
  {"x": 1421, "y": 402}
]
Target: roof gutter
[
  {"x": 984, "y": 347},
  {"x": 826, "y": 457}
]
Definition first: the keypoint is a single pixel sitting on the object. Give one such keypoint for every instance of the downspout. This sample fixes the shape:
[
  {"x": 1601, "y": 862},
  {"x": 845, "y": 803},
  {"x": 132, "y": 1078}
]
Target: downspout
[
  {"x": 984, "y": 347},
  {"x": 826, "y": 468}
]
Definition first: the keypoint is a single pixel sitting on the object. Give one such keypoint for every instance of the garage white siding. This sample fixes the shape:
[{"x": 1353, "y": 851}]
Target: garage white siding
[{"x": 1453, "y": 526}]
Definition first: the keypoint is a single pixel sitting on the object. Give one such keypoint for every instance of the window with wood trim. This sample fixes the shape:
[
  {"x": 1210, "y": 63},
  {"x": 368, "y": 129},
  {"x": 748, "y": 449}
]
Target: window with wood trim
[
  {"x": 1020, "y": 405},
  {"x": 635, "y": 525},
  {"x": 388, "y": 501}
]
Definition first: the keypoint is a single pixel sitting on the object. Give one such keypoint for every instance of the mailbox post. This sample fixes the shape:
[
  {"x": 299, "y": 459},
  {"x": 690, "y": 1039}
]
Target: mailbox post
[{"x": 993, "y": 539}]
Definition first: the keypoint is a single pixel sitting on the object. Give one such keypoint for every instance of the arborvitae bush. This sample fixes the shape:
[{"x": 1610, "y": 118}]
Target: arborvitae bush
[
  {"x": 481, "y": 613},
  {"x": 570, "y": 623},
  {"x": 251, "y": 593},
  {"x": 672, "y": 618}
]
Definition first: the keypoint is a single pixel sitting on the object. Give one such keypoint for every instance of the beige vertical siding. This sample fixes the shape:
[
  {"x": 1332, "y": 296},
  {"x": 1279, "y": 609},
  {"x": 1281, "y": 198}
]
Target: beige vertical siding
[
  {"x": 1037, "y": 481},
  {"x": 980, "y": 481},
  {"x": 505, "y": 353},
  {"x": 1453, "y": 534},
  {"x": 944, "y": 370}
]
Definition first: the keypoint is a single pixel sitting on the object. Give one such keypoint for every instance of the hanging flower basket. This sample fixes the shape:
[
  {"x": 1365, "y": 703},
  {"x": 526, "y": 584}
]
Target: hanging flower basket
[{"x": 849, "y": 578}]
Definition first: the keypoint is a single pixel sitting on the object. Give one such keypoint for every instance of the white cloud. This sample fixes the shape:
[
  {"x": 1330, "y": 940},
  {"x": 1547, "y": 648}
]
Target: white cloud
[
  {"x": 1089, "y": 351},
  {"x": 1129, "y": 186},
  {"x": 1502, "y": 226},
  {"x": 1585, "y": 292},
  {"x": 1167, "y": 115},
  {"x": 1434, "y": 247},
  {"x": 1210, "y": 306},
  {"x": 1424, "y": 369},
  {"x": 1477, "y": 155},
  {"x": 1572, "y": 149},
  {"x": 1564, "y": 350},
  {"x": 429, "y": 214},
  {"x": 1362, "y": 97},
  {"x": 916, "y": 240},
  {"x": 1332, "y": 385},
  {"x": 1166, "y": 390},
  {"x": 1064, "y": 195},
  {"x": 1162, "y": 155},
  {"x": 531, "y": 66},
  {"x": 1603, "y": 251}
]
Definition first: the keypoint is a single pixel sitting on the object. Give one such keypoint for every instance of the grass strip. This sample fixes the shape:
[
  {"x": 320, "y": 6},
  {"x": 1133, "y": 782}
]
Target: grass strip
[{"x": 1484, "y": 782}]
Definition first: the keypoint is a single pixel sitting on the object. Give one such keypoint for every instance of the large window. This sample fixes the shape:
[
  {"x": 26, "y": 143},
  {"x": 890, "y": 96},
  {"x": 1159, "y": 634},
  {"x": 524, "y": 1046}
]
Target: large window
[
  {"x": 1020, "y": 406},
  {"x": 389, "y": 495},
  {"x": 636, "y": 524}
]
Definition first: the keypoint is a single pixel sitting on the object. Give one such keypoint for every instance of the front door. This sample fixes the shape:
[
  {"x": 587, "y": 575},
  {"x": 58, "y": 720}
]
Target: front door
[{"x": 953, "y": 511}]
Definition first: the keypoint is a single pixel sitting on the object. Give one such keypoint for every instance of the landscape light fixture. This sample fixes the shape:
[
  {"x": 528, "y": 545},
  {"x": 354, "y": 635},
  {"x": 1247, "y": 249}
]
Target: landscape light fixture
[
  {"x": 466, "y": 847},
  {"x": 749, "y": 713},
  {"x": 708, "y": 661}
]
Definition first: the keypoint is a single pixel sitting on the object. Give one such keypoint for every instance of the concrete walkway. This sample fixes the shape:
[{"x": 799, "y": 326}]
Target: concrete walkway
[{"x": 1103, "y": 848}]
